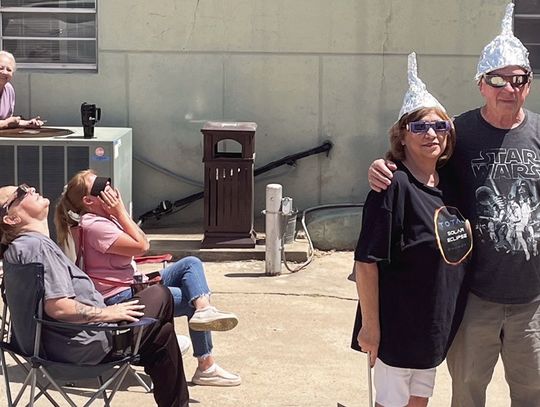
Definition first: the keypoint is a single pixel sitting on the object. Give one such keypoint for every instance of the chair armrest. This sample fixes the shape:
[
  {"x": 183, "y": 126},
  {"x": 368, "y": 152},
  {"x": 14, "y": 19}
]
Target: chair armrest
[
  {"x": 153, "y": 259},
  {"x": 144, "y": 321}
]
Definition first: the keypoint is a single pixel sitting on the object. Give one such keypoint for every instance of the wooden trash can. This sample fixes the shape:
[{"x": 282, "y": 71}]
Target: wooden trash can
[{"x": 228, "y": 185}]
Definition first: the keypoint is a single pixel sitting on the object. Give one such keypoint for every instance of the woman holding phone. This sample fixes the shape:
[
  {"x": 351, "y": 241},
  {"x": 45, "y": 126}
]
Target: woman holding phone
[{"x": 109, "y": 239}]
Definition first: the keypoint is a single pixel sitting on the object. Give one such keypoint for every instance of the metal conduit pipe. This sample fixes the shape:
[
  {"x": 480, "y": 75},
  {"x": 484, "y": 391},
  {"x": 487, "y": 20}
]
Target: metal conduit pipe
[
  {"x": 165, "y": 171},
  {"x": 167, "y": 207},
  {"x": 290, "y": 160}
]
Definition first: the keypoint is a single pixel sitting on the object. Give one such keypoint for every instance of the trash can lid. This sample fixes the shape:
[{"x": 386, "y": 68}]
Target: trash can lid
[{"x": 233, "y": 126}]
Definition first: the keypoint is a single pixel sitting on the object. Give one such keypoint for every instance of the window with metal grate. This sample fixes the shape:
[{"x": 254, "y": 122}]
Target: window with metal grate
[{"x": 50, "y": 35}]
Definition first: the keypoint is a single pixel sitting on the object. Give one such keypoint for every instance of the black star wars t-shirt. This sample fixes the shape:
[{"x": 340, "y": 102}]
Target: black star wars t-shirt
[
  {"x": 494, "y": 175},
  {"x": 420, "y": 294}
]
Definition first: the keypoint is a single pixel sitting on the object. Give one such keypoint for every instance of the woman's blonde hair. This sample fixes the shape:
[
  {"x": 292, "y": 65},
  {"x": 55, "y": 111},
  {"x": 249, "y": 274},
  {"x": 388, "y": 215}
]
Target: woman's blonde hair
[
  {"x": 398, "y": 130},
  {"x": 70, "y": 203}
]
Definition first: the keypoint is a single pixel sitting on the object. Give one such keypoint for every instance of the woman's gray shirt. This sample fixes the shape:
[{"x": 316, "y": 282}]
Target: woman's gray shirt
[{"x": 63, "y": 279}]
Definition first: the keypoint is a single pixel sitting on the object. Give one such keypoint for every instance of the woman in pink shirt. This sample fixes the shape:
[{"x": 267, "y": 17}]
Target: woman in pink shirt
[
  {"x": 110, "y": 238},
  {"x": 7, "y": 96}
]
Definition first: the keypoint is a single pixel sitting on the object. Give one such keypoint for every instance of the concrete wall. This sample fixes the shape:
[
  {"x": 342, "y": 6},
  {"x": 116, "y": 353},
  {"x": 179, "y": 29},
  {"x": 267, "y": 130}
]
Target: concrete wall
[{"x": 304, "y": 70}]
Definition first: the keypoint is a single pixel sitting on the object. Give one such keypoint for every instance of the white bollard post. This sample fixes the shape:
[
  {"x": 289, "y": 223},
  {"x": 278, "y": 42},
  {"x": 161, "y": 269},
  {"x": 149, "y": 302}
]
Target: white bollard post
[{"x": 273, "y": 235}]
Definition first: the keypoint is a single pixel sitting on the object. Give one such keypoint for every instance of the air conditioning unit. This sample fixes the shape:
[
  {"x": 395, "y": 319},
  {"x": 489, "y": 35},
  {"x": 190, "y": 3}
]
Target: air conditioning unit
[{"x": 49, "y": 162}]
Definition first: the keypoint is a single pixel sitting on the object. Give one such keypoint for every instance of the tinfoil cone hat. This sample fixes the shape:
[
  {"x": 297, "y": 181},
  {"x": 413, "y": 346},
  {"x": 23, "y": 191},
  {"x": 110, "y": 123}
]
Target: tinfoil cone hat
[
  {"x": 417, "y": 96},
  {"x": 504, "y": 50}
]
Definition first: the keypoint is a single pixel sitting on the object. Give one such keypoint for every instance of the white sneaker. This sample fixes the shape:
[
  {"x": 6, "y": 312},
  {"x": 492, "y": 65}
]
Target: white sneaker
[
  {"x": 184, "y": 343},
  {"x": 212, "y": 319},
  {"x": 215, "y": 376}
]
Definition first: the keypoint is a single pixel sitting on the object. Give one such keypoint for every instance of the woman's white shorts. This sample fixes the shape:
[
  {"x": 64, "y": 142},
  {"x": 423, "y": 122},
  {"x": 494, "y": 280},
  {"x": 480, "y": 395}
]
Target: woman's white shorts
[{"x": 395, "y": 385}]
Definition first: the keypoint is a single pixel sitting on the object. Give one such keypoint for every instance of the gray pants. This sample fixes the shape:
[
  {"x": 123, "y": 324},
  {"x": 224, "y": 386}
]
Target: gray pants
[{"x": 489, "y": 329}]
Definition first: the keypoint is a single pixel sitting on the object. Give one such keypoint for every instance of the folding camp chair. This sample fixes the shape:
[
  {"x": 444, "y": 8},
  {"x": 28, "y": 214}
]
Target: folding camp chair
[
  {"x": 4, "y": 318},
  {"x": 74, "y": 252},
  {"x": 22, "y": 292},
  {"x": 163, "y": 260}
]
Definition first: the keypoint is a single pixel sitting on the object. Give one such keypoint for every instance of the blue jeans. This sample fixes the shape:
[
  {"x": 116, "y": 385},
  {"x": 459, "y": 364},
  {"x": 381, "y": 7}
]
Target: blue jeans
[{"x": 187, "y": 282}]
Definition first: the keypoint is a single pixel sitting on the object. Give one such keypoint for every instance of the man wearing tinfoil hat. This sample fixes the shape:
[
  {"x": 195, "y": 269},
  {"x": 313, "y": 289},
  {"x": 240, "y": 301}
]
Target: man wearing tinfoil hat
[
  {"x": 409, "y": 257},
  {"x": 494, "y": 177}
]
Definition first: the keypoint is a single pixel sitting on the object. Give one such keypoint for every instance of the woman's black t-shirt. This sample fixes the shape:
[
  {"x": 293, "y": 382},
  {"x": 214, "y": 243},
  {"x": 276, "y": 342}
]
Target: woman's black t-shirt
[{"x": 421, "y": 297}]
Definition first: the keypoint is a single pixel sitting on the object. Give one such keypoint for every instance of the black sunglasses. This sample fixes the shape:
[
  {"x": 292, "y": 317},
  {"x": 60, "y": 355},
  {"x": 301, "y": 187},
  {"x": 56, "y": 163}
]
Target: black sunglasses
[
  {"x": 99, "y": 185},
  {"x": 19, "y": 194},
  {"x": 500, "y": 81},
  {"x": 440, "y": 126}
]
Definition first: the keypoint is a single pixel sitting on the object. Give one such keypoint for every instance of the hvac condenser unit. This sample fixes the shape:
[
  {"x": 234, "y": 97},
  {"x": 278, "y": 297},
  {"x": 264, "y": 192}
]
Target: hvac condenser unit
[{"x": 48, "y": 163}]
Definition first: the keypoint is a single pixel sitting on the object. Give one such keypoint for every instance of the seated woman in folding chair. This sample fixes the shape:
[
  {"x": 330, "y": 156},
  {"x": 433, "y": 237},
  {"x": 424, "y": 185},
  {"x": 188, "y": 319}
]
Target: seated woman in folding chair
[
  {"x": 70, "y": 296},
  {"x": 109, "y": 239}
]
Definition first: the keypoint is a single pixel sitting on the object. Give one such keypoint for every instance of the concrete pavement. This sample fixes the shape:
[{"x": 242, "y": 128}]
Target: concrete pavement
[{"x": 291, "y": 346}]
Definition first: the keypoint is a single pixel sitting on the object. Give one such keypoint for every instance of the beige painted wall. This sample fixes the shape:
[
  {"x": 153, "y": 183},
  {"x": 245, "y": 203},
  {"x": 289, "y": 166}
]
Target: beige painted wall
[{"x": 304, "y": 70}]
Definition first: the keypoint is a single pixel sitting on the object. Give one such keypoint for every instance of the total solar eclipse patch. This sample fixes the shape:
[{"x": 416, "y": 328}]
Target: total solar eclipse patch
[{"x": 453, "y": 233}]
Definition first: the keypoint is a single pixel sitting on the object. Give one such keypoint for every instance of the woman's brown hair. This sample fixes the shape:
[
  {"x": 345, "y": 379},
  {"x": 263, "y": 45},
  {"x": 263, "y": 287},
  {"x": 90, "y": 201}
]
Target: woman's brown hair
[
  {"x": 399, "y": 129},
  {"x": 8, "y": 233},
  {"x": 71, "y": 200}
]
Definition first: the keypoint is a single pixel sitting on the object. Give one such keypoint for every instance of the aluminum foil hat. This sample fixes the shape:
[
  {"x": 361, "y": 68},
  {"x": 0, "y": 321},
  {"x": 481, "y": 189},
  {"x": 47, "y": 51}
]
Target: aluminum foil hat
[
  {"x": 417, "y": 96},
  {"x": 504, "y": 50}
]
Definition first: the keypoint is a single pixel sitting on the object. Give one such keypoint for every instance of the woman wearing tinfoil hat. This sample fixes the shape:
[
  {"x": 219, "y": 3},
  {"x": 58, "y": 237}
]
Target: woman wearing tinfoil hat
[
  {"x": 494, "y": 175},
  {"x": 409, "y": 257}
]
